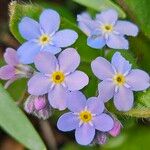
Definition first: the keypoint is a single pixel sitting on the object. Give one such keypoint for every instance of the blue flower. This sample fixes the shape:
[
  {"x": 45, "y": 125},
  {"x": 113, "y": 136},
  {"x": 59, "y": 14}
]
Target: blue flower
[
  {"x": 106, "y": 29},
  {"x": 119, "y": 80},
  {"x": 43, "y": 36},
  {"x": 57, "y": 77},
  {"x": 86, "y": 117}
]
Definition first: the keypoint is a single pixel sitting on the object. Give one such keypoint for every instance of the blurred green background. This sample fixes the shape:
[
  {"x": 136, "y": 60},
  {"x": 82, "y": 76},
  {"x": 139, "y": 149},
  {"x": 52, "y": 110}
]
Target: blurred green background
[{"x": 135, "y": 134}]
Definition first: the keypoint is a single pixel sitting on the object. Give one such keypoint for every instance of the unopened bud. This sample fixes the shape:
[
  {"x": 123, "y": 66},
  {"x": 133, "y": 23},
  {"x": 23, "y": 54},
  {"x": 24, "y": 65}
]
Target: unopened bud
[
  {"x": 38, "y": 106},
  {"x": 115, "y": 131},
  {"x": 40, "y": 103}
]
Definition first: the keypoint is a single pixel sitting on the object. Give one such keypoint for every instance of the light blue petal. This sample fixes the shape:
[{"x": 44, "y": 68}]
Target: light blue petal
[
  {"x": 109, "y": 16},
  {"x": 86, "y": 24},
  {"x": 76, "y": 101},
  {"x": 126, "y": 28},
  {"x": 103, "y": 122},
  {"x": 52, "y": 49},
  {"x": 138, "y": 80},
  {"x": 65, "y": 38},
  {"x": 46, "y": 62},
  {"x": 85, "y": 134},
  {"x": 49, "y": 21},
  {"x": 123, "y": 100},
  {"x": 97, "y": 42},
  {"x": 39, "y": 84},
  {"x": 71, "y": 63},
  {"x": 106, "y": 90},
  {"x": 68, "y": 122},
  {"x": 58, "y": 97},
  {"x": 120, "y": 63},
  {"x": 27, "y": 52},
  {"x": 29, "y": 28},
  {"x": 76, "y": 80},
  {"x": 117, "y": 42},
  {"x": 102, "y": 68},
  {"x": 95, "y": 105}
]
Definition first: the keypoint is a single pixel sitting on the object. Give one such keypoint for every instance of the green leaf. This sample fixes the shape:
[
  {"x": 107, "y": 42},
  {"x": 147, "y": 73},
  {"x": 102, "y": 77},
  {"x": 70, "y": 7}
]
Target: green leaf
[
  {"x": 140, "y": 47},
  {"x": 21, "y": 90},
  {"x": 15, "y": 123},
  {"x": 138, "y": 11},
  {"x": 142, "y": 105},
  {"x": 100, "y": 5},
  {"x": 17, "y": 11},
  {"x": 136, "y": 138}
]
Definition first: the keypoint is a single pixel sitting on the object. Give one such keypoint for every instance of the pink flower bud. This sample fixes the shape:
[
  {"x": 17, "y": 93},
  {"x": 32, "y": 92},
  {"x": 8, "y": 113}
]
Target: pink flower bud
[
  {"x": 39, "y": 102},
  {"x": 38, "y": 106},
  {"x": 115, "y": 131}
]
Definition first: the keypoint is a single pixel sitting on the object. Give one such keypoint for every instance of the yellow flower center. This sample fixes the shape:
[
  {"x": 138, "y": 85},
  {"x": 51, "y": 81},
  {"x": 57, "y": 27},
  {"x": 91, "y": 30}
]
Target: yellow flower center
[
  {"x": 58, "y": 77},
  {"x": 85, "y": 116},
  {"x": 44, "y": 39},
  {"x": 119, "y": 79},
  {"x": 107, "y": 28}
]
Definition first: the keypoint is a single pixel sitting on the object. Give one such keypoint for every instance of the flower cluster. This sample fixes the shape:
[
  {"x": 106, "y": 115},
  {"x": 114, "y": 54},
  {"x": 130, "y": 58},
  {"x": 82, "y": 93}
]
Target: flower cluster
[{"x": 55, "y": 80}]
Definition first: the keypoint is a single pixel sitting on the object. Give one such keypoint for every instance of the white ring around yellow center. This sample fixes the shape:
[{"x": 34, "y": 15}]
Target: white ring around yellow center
[
  {"x": 58, "y": 77},
  {"x": 85, "y": 116},
  {"x": 107, "y": 28},
  {"x": 119, "y": 79},
  {"x": 44, "y": 39}
]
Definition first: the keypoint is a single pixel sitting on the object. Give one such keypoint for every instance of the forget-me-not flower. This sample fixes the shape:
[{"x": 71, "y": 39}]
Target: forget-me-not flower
[
  {"x": 14, "y": 69},
  {"x": 119, "y": 80},
  {"x": 57, "y": 77},
  {"x": 43, "y": 36},
  {"x": 106, "y": 29},
  {"x": 85, "y": 118}
]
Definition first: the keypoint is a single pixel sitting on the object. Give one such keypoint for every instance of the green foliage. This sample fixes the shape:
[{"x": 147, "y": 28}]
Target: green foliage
[
  {"x": 139, "y": 11},
  {"x": 16, "y": 91},
  {"x": 140, "y": 47},
  {"x": 14, "y": 122},
  {"x": 100, "y": 5},
  {"x": 136, "y": 138}
]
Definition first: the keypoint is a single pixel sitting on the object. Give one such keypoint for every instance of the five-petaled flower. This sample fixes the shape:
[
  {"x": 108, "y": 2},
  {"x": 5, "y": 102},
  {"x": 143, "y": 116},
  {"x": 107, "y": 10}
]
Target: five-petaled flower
[
  {"x": 14, "y": 69},
  {"x": 119, "y": 80},
  {"x": 57, "y": 77},
  {"x": 86, "y": 117},
  {"x": 106, "y": 29},
  {"x": 43, "y": 36}
]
